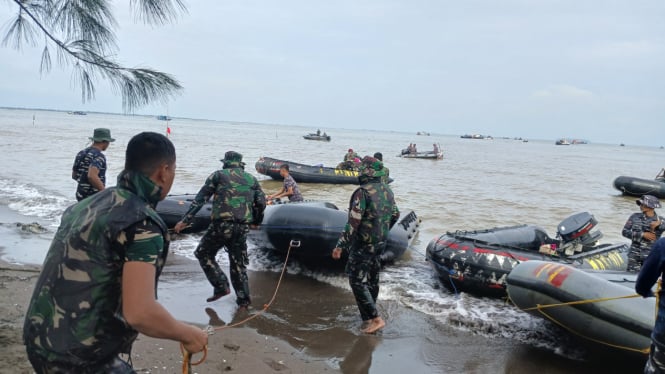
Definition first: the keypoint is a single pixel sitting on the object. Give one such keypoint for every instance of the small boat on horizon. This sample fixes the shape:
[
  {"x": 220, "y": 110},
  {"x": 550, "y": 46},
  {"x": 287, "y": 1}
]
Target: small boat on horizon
[
  {"x": 317, "y": 136},
  {"x": 163, "y": 118}
]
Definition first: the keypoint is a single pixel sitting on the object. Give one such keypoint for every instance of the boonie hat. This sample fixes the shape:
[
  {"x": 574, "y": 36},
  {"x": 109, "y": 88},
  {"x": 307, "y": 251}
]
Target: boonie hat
[
  {"x": 102, "y": 135},
  {"x": 371, "y": 167},
  {"x": 350, "y": 149},
  {"x": 231, "y": 156},
  {"x": 649, "y": 201}
]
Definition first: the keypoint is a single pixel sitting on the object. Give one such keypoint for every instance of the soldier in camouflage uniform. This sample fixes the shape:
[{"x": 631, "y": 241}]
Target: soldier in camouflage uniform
[
  {"x": 386, "y": 171},
  {"x": 237, "y": 203},
  {"x": 89, "y": 169},
  {"x": 643, "y": 229},
  {"x": 98, "y": 283},
  {"x": 372, "y": 212}
]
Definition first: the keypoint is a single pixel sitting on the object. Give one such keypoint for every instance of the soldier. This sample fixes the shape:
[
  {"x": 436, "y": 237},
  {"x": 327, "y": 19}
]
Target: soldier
[
  {"x": 643, "y": 229},
  {"x": 372, "y": 212},
  {"x": 386, "y": 177},
  {"x": 290, "y": 187},
  {"x": 653, "y": 269},
  {"x": 97, "y": 288},
  {"x": 238, "y": 202},
  {"x": 89, "y": 169}
]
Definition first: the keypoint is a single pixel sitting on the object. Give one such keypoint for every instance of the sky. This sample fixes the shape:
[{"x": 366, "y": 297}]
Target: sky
[{"x": 537, "y": 69}]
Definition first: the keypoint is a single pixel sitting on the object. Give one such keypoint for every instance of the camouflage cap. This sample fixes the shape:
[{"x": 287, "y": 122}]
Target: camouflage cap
[
  {"x": 371, "y": 167},
  {"x": 231, "y": 156},
  {"x": 648, "y": 201}
]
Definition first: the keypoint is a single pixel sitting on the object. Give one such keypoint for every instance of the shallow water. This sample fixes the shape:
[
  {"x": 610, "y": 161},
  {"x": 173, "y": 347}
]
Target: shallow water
[{"x": 479, "y": 184}]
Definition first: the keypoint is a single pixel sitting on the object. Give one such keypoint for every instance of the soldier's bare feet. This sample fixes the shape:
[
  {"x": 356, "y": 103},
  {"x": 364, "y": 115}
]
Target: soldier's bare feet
[{"x": 374, "y": 325}]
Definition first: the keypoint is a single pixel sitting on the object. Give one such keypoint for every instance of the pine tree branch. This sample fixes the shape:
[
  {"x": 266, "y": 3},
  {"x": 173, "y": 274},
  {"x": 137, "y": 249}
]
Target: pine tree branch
[{"x": 88, "y": 27}]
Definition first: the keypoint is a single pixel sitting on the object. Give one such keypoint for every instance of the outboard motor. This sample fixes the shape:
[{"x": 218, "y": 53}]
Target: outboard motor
[{"x": 575, "y": 233}]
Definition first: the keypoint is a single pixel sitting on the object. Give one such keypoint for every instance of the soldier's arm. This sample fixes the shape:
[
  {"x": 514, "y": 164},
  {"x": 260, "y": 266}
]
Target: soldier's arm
[
  {"x": 356, "y": 211},
  {"x": 93, "y": 178},
  {"x": 202, "y": 196},
  {"x": 630, "y": 232}
]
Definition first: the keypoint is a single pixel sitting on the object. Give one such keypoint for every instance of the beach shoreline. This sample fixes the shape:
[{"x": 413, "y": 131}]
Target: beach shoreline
[{"x": 312, "y": 326}]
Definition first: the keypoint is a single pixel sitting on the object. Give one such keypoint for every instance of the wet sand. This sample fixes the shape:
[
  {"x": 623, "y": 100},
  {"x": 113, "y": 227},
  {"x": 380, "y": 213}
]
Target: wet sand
[{"x": 312, "y": 327}]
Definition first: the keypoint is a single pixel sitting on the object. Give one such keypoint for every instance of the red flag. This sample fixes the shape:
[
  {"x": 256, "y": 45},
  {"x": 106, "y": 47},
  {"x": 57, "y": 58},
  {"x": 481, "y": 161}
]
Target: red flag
[{"x": 168, "y": 131}]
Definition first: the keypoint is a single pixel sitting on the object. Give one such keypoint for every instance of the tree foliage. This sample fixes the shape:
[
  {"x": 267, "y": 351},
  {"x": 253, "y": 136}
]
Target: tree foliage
[{"x": 82, "y": 34}]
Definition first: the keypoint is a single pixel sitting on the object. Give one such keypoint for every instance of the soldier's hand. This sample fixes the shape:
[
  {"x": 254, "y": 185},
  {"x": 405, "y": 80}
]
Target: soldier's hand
[
  {"x": 337, "y": 253},
  {"x": 654, "y": 224},
  {"x": 195, "y": 339},
  {"x": 649, "y": 236},
  {"x": 179, "y": 226},
  {"x": 254, "y": 227}
]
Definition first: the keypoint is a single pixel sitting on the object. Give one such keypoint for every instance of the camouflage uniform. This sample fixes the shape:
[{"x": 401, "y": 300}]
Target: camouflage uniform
[
  {"x": 74, "y": 323},
  {"x": 636, "y": 225},
  {"x": 238, "y": 202},
  {"x": 372, "y": 212},
  {"x": 90, "y": 156},
  {"x": 290, "y": 182},
  {"x": 652, "y": 272}
]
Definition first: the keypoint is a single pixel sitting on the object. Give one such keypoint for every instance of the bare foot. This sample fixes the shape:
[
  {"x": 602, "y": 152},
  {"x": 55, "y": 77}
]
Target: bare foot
[{"x": 374, "y": 325}]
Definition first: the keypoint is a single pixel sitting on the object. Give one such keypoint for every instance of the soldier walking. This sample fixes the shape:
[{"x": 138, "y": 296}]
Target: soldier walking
[
  {"x": 372, "y": 212},
  {"x": 238, "y": 202}
]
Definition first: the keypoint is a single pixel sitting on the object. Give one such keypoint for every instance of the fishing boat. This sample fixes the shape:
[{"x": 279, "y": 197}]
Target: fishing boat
[
  {"x": 479, "y": 261},
  {"x": 307, "y": 173},
  {"x": 311, "y": 228},
  {"x": 601, "y": 308},
  {"x": 637, "y": 187},
  {"x": 562, "y": 141},
  {"x": 314, "y": 136},
  {"x": 163, "y": 118}
]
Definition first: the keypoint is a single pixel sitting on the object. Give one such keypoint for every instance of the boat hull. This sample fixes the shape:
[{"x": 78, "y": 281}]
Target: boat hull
[
  {"x": 306, "y": 173},
  {"x": 426, "y": 155},
  {"x": 478, "y": 262},
  {"x": 620, "y": 323},
  {"x": 322, "y": 138},
  {"x": 637, "y": 187},
  {"x": 311, "y": 228}
]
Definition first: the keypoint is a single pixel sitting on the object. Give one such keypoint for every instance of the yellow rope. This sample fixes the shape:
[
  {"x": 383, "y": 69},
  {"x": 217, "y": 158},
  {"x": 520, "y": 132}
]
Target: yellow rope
[
  {"x": 187, "y": 357},
  {"x": 540, "y": 308},
  {"x": 578, "y": 302}
]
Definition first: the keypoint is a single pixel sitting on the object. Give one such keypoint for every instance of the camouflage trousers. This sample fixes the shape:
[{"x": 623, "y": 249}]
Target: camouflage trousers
[
  {"x": 363, "y": 271},
  {"x": 233, "y": 237},
  {"x": 636, "y": 257},
  {"x": 656, "y": 361},
  {"x": 42, "y": 366}
]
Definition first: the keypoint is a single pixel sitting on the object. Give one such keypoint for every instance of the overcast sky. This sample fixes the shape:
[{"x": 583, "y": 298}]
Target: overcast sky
[{"x": 539, "y": 69}]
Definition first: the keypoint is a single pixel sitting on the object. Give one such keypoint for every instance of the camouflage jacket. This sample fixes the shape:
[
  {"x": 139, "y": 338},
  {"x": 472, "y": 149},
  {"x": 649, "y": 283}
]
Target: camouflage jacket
[
  {"x": 238, "y": 197},
  {"x": 75, "y": 313},
  {"x": 372, "y": 212},
  {"x": 637, "y": 224},
  {"x": 90, "y": 156}
]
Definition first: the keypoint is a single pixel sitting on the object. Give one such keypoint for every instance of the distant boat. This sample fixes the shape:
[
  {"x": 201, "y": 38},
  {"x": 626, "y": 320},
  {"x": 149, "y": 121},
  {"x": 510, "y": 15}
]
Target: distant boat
[
  {"x": 422, "y": 133},
  {"x": 314, "y": 136},
  {"x": 562, "y": 142},
  {"x": 164, "y": 118},
  {"x": 78, "y": 113},
  {"x": 579, "y": 141},
  {"x": 474, "y": 136}
]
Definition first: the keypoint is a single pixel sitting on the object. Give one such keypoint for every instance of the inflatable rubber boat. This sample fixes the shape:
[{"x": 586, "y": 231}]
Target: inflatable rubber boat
[
  {"x": 306, "y": 173},
  {"x": 478, "y": 262},
  {"x": 595, "y": 306},
  {"x": 311, "y": 228},
  {"x": 637, "y": 187}
]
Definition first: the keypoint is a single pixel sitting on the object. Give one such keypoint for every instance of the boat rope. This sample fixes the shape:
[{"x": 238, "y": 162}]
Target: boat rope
[
  {"x": 187, "y": 357},
  {"x": 542, "y": 309}
]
